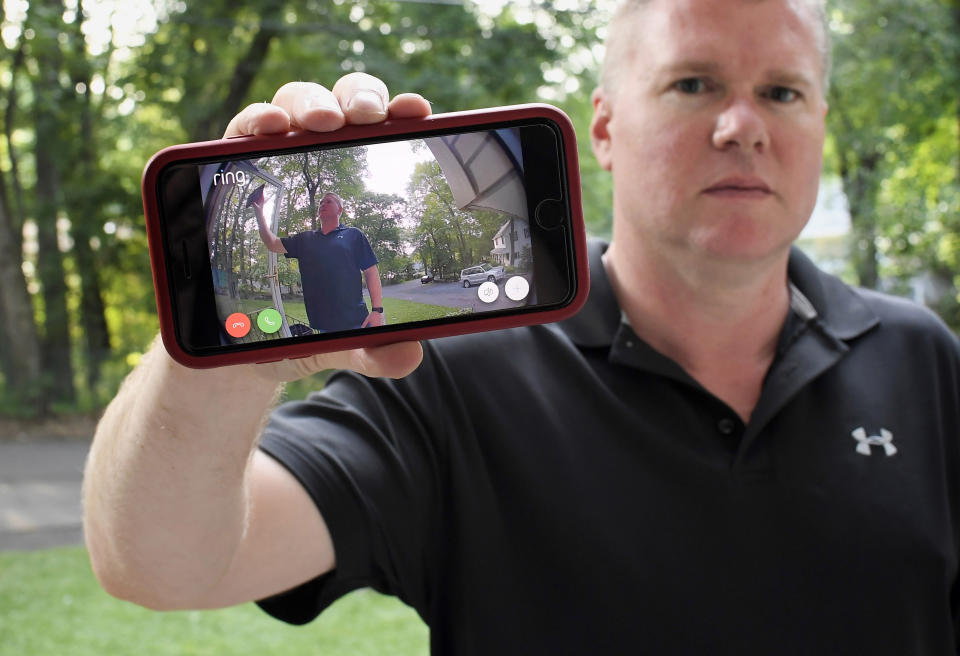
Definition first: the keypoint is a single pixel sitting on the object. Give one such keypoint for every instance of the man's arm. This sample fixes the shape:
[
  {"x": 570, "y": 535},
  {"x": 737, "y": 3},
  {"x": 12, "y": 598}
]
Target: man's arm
[
  {"x": 270, "y": 240},
  {"x": 175, "y": 496},
  {"x": 180, "y": 510},
  {"x": 372, "y": 277}
]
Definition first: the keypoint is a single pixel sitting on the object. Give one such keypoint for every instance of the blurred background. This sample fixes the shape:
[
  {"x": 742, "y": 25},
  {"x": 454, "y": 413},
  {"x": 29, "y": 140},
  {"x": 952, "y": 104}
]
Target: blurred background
[{"x": 90, "y": 89}]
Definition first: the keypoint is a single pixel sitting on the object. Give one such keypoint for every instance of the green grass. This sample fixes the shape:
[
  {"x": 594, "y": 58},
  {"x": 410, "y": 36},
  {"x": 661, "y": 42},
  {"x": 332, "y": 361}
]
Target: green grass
[
  {"x": 50, "y": 604},
  {"x": 399, "y": 311},
  {"x": 394, "y": 309}
]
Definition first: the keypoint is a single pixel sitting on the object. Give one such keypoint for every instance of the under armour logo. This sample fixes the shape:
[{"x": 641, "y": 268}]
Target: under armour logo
[{"x": 864, "y": 441}]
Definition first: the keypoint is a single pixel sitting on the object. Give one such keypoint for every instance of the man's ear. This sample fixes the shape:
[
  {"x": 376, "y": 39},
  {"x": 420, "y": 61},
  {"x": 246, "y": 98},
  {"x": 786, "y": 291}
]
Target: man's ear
[{"x": 600, "y": 128}]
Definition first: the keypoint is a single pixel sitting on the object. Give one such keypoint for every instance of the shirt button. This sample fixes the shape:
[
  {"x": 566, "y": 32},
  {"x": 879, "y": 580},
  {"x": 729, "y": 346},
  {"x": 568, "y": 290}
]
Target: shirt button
[{"x": 726, "y": 426}]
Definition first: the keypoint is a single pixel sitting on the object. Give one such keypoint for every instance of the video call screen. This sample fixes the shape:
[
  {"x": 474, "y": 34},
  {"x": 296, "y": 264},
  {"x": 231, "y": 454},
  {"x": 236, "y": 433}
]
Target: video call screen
[{"x": 442, "y": 223}]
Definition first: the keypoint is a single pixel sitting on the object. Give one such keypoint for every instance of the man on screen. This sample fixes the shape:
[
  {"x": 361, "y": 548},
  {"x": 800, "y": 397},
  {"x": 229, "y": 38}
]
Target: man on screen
[
  {"x": 726, "y": 451},
  {"x": 331, "y": 260}
]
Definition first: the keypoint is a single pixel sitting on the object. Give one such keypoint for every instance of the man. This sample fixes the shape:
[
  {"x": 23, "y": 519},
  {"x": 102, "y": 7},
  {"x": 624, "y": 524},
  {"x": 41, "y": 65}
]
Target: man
[
  {"x": 330, "y": 259},
  {"x": 725, "y": 452}
]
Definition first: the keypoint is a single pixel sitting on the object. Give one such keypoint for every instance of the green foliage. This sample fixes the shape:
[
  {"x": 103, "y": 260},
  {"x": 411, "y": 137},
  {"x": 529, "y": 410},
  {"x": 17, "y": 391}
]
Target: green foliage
[
  {"x": 379, "y": 217},
  {"x": 447, "y": 238},
  {"x": 101, "y": 110},
  {"x": 893, "y": 122}
]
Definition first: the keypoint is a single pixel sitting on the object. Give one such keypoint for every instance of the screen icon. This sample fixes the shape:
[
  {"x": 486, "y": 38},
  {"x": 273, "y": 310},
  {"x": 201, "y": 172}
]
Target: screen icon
[
  {"x": 488, "y": 292},
  {"x": 516, "y": 288},
  {"x": 269, "y": 321},
  {"x": 238, "y": 325}
]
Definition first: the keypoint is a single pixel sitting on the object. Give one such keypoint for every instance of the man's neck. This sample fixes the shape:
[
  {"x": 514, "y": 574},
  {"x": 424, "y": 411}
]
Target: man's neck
[
  {"x": 326, "y": 227},
  {"x": 718, "y": 320}
]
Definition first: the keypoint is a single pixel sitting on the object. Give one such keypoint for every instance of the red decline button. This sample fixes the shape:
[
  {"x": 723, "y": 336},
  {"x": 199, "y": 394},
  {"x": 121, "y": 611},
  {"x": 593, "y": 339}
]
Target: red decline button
[{"x": 238, "y": 325}]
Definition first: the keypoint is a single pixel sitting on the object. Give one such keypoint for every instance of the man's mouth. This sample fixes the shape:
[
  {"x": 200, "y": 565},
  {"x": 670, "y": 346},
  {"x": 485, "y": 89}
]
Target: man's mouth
[{"x": 745, "y": 187}]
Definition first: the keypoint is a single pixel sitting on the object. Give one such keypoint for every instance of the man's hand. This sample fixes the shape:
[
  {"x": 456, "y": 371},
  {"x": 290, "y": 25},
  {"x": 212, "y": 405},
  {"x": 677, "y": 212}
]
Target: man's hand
[
  {"x": 373, "y": 320},
  {"x": 180, "y": 510},
  {"x": 257, "y": 198},
  {"x": 356, "y": 99}
]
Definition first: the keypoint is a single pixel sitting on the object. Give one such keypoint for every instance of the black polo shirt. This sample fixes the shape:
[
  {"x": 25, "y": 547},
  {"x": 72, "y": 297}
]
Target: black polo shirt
[
  {"x": 566, "y": 489},
  {"x": 330, "y": 267}
]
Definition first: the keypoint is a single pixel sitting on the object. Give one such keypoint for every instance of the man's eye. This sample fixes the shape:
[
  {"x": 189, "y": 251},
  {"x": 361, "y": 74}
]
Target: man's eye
[
  {"x": 782, "y": 94},
  {"x": 691, "y": 85}
]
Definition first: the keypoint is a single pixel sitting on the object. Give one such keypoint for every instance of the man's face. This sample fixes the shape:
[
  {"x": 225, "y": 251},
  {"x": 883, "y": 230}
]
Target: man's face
[
  {"x": 715, "y": 132},
  {"x": 329, "y": 208}
]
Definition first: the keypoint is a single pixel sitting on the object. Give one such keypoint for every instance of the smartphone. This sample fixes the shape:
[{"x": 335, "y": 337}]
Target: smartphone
[{"x": 273, "y": 247}]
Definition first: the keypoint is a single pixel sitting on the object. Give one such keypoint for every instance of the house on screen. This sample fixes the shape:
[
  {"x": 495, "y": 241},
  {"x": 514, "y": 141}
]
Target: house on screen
[{"x": 511, "y": 244}]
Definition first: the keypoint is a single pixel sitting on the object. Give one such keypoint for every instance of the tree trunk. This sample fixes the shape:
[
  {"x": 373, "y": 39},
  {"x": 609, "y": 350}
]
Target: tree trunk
[
  {"x": 46, "y": 17},
  {"x": 211, "y": 126},
  {"x": 312, "y": 184},
  {"x": 86, "y": 215},
  {"x": 24, "y": 366},
  {"x": 860, "y": 190},
  {"x": 15, "y": 210},
  {"x": 956, "y": 26},
  {"x": 56, "y": 341},
  {"x": 92, "y": 308}
]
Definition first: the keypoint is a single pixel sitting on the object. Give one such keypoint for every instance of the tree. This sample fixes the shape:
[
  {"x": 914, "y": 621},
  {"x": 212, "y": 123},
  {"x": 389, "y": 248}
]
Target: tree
[
  {"x": 45, "y": 18},
  {"x": 22, "y": 365},
  {"x": 894, "y": 77},
  {"x": 79, "y": 122},
  {"x": 447, "y": 237},
  {"x": 379, "y": 217},
  {"x": 202, "y": 61}
]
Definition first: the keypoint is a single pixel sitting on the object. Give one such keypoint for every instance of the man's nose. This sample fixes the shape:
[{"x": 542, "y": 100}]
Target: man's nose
[{"x": 741, "y": 124}]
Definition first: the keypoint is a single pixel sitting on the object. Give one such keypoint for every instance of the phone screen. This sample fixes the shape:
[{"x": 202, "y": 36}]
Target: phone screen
[{"x": 312, "y": 243}]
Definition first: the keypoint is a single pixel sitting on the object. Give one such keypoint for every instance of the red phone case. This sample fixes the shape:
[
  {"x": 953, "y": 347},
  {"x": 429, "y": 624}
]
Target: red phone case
[{"x": 240, "y": 145}]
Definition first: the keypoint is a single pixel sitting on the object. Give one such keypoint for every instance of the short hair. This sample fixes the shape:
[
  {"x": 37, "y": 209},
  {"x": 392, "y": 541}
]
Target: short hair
[{"x": 621, "y": 38}]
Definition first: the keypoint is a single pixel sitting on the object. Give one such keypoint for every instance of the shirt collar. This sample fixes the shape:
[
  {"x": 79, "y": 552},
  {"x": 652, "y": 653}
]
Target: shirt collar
[
  {"x": 840, "y": 311},
  {"x": 336, "y": 230},
  {"x": 814, "y": 296}
]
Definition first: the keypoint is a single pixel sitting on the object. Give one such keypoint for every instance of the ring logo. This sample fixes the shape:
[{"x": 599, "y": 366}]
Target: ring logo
[
  {"x": 864, "y": 441},
  {"x": 229, "y": 177}
]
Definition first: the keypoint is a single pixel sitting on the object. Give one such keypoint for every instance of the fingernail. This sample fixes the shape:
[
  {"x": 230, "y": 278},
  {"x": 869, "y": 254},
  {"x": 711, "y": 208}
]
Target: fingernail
[
  {"x": 323, "y": 102},
  {"x": 367, "y": 102}
]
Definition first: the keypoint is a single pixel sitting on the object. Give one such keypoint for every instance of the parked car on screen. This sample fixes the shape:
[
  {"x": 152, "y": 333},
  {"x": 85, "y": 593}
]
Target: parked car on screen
[{"x": 476, "y": 275}]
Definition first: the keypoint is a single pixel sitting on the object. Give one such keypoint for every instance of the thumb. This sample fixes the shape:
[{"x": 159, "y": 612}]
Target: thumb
[{"x": 392, "y": 361}]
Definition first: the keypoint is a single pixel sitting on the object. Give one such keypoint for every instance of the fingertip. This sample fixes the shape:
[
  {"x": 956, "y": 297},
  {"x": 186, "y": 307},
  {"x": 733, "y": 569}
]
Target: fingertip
[
  {"x": 363, "y": 98},
  {"x": 258, "y": 118},
  {"x": 409, "y": 105},
  {"x": 393, "y": 360},
  {"x": 365, "y": 106},
  {"x": 270, "y": 120},
  {"x": 310, "y": 106},
  {"x": 318, "y": 110},
  {"x": 321, "y": 119}
]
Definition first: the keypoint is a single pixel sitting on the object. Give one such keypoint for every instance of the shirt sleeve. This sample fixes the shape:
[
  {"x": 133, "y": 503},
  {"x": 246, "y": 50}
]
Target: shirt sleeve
[
  {"x": 363, "y": 252},
  {"x": 292, "y": 244},
  {"x": 361, "y": 449}
]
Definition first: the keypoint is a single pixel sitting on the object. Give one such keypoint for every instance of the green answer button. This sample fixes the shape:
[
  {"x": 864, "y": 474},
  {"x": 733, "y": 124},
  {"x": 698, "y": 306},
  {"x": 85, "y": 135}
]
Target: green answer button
[{"x": 269, "y": 321}]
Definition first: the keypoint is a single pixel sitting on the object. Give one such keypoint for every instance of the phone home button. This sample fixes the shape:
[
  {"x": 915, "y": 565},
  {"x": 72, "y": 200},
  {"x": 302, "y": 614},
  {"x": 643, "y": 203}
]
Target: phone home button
[{"x": 549, "y": 214}]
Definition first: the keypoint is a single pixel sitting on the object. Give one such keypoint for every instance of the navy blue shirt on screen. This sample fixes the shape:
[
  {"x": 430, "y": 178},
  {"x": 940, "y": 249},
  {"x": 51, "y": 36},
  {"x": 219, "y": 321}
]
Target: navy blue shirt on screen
[{"x": 330, "y": 267}]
